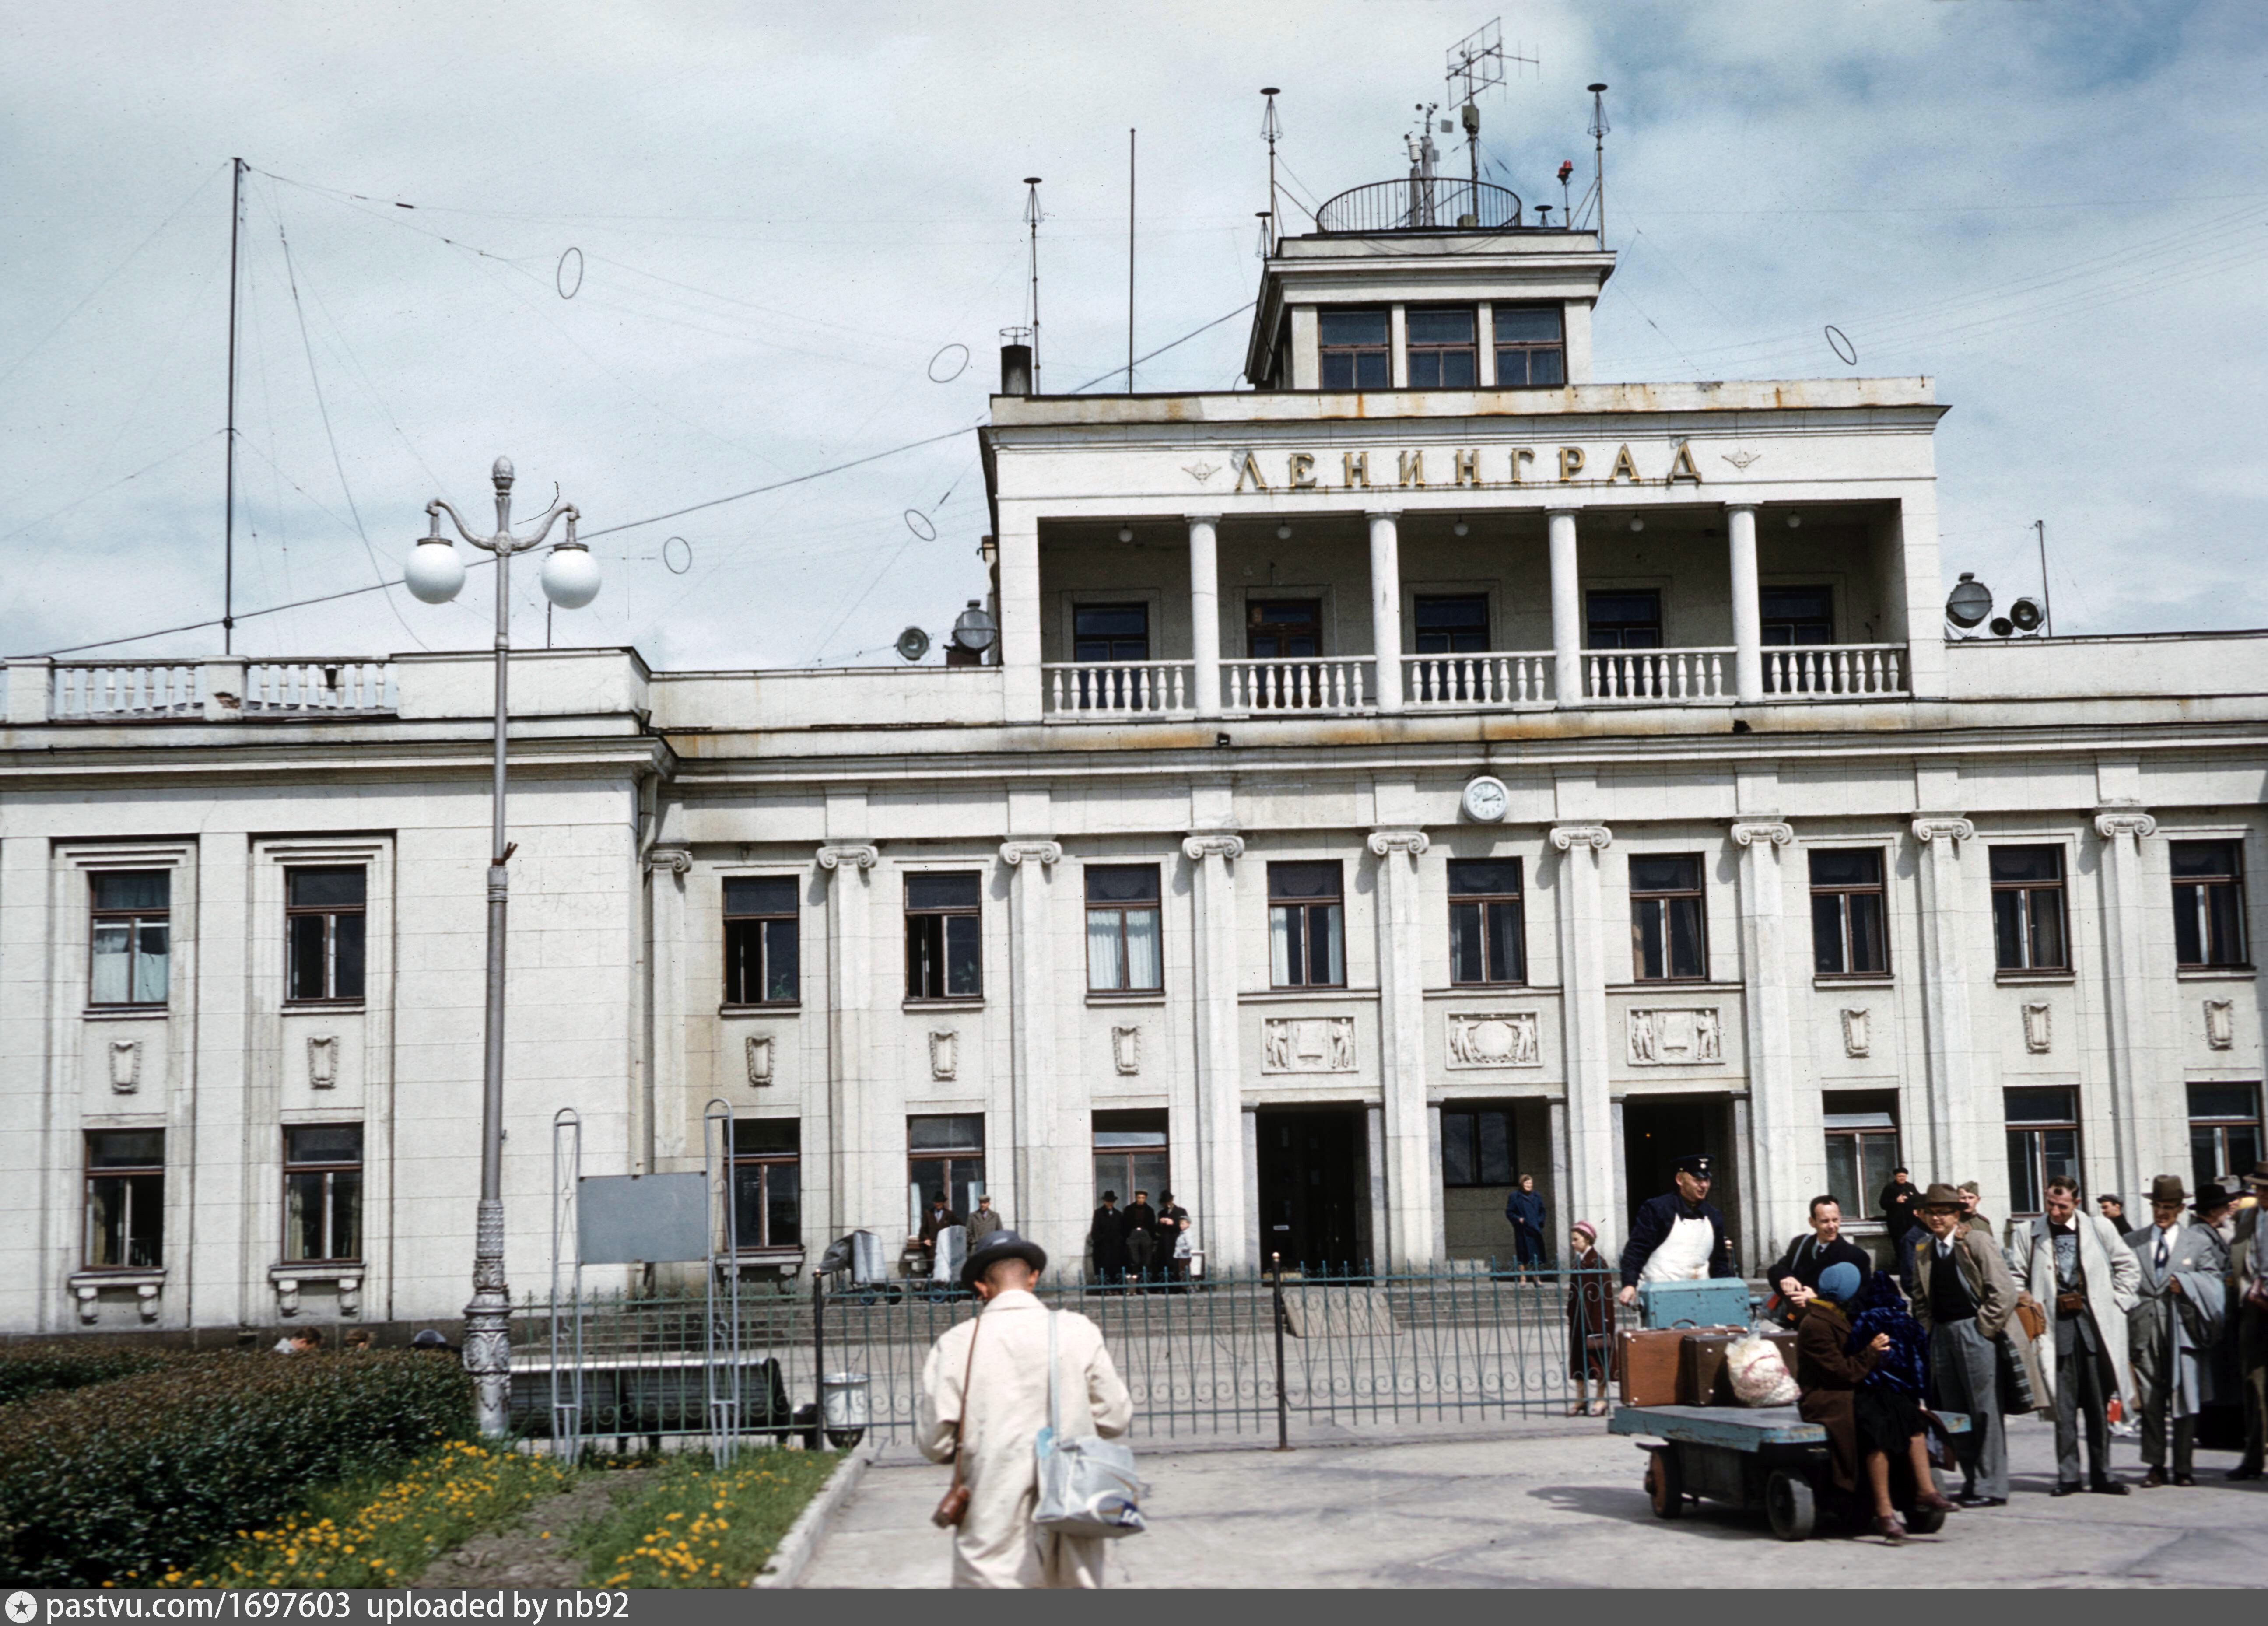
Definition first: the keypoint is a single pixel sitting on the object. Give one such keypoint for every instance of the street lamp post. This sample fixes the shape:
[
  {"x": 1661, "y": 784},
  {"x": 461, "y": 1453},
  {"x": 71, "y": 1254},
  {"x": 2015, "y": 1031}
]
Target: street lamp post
[{"x": 570, "y": 580}]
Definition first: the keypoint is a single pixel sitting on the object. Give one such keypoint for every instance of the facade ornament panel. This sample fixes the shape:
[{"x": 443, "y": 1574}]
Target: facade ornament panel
[
  {"x": 759, "y": 1051},
  {"x": 1306, "y": 1044},
  {"x": 1953, "y": 828},
  {"x": 1857, "y": 1037},
  {"x": 676, "y": 860},
  {"x": 2037, "y": 1033},
  {"x": 1213, "y": 843},
  {"x": 2220, "y": 1024},
  {"x": 1126, "y": 1050},
  {"x": 125, "y": 1066},
  {"x": 1494, "y": 1038},
  {"x": 1676, "y": 1036},
  {"x": 2124, "y": 822},
  {"x": 1597, "y": 837},
  {"x": 859, "y": 854},
  {"x": 1411, "y": 842},
  {"x": 323, "y": 1062},
  {"x": 944, "y": 1053},
  {"x": 1015, "y": 853},
  {"x": 1748, "y": 832}
]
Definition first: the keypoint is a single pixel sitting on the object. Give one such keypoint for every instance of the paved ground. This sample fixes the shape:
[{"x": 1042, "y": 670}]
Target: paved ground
[{"x": 1552, "y": 1507}]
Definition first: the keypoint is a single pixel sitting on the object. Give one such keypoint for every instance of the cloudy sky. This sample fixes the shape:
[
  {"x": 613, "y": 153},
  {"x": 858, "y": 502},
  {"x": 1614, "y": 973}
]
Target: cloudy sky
[{"x": 782, "y": 216}]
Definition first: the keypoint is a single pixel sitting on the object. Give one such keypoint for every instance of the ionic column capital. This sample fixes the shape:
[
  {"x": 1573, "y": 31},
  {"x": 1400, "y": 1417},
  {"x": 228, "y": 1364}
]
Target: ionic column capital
[
  {"x": 1201, "y": 519},
  {"x": 1213, "y": 844},
  {"x": 862, "y": 855},
  {"x": 2129, "y": 821},
  {"x": 1411, "y": 842},
  {"x": 1748, "y": 832},
  {"x": 676, "y": 860},
  {"x": 1954, "y": 829},
  {"x": 1014, "y": 853},
  {"x": 1597, "y": 837}
]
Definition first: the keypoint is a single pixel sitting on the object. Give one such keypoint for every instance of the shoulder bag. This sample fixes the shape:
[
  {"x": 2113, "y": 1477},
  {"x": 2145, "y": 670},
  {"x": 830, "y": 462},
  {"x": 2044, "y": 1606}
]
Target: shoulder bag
[
  {"x": 953, "y": 1507},
  {"x": 1087, "y": 1486}
]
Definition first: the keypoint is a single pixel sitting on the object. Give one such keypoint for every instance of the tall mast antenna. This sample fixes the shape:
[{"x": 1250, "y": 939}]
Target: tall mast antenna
[
  {"x": 1476, "y": 64},
  {"x": 1129, "y": 262},
  {"x": 1599, "y": 128},
  {"x": 1271, "y": 129},
  {"x": 2047, "y": 601},
  {"x": 1032, "y": 219},
  {"x": 228, "y": 522}
]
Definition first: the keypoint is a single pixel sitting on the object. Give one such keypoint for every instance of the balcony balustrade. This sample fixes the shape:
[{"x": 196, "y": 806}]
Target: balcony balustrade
[
  {"x": 1312, "y": 683},
  {"x": 125, "y": 688},
  {"x": 1656, "y": 677},
  {"x": 1458, "y": 682},
  {"x": 1835, "y": 669},
  {"x": 1101, "y": 689}
]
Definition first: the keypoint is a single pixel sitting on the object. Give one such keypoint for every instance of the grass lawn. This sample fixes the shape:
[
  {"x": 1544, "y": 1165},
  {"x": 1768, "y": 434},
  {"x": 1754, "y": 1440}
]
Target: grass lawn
[{"x": 692, "y": 1526}]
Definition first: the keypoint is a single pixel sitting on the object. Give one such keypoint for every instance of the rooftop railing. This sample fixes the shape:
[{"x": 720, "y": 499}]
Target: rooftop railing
[{"x": 1421, "y": 204}]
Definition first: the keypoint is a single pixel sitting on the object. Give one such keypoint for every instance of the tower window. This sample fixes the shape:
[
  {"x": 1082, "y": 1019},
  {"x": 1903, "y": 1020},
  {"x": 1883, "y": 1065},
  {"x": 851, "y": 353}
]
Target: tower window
[
  {"x": 1531, "y": 346},
  {"x": 1357, "y": 353}
]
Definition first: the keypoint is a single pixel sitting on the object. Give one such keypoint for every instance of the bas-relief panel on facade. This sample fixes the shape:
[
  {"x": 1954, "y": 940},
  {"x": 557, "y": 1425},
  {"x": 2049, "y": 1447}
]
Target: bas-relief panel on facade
[
  {"x": 1675, "y": 1036},
  {"x": 1306, "y": 1044},
  {"x": 1126, "y": 1050},
  {"x": 2220, "y": 1024},
  {"x": 2038, "y": 1027},
  {"x": 944, "y": 1053},
  {"x": 1494, "y": 1038},
  {"x": 1858, "y": 1034},
  {"x": 758, "y": 1048},
  {"x": 125, "y": 1066},
  {"x": 322, "y": 1061}
]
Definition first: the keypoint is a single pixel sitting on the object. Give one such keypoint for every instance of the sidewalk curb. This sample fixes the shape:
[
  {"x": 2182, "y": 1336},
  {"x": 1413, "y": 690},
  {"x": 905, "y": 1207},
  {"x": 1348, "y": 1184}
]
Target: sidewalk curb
[{"x": 785, "y": 1567}]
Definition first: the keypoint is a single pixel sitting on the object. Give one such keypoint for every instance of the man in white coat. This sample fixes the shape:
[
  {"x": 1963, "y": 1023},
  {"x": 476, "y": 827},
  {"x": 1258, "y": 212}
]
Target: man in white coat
[
  {"x": 2084, "y": 1279},
  {"x": 987, "y": 1380}
]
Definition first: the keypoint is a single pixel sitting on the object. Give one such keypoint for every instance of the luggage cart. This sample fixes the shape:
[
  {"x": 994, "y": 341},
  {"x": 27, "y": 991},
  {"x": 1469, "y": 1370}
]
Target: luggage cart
[{"x": 1751, "y": 1458}]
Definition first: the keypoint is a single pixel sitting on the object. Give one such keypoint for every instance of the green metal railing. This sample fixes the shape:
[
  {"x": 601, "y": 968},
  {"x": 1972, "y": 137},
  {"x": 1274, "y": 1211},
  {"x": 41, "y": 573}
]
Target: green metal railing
[{"x": 1241, "y": 1354}]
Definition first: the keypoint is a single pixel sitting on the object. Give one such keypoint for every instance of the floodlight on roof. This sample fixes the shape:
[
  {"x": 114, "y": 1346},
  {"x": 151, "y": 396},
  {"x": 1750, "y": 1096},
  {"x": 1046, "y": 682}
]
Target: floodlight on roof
[{"x": 1969, "y": 602}]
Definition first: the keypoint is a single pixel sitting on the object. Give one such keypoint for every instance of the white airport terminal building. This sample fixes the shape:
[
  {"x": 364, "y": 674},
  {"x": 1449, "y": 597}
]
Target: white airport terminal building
[{"x": 1424, "y": 766}]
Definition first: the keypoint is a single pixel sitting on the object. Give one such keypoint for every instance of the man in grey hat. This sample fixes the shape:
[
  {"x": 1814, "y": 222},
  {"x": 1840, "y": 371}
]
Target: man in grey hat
[
  {"x": 2170, "y": 1331},
  {"x": 1963, "y": 1296},
  {"x": 983, "y": 1402}
]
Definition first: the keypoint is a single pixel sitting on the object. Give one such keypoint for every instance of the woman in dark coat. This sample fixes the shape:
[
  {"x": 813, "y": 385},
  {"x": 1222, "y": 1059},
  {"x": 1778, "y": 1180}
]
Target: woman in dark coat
[
  {"x": 1590, "y": 1320},
  {"x": 1864, "y": 1422}
]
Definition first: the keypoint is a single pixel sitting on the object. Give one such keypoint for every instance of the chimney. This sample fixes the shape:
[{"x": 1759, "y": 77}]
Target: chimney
[{"x": 1015, "y": 370}]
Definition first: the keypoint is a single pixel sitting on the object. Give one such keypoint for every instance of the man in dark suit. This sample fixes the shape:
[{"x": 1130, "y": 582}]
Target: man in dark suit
[
  {"x": 2114, "y": 1210},
  {"x": 1106, "y": 1241},
  {"x": 1677, "y": 1236},
  {"x": 1896, "y": 1203},
  {"x": 1795, "y": 1273},
  {"x": 1140, "y": 1217},
  {"x": 2168, "y": 1366}
]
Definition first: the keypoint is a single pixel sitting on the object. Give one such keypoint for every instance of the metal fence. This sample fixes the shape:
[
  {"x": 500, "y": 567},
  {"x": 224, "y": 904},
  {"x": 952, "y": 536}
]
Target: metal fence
[{"x": 1250, "y": 1356}]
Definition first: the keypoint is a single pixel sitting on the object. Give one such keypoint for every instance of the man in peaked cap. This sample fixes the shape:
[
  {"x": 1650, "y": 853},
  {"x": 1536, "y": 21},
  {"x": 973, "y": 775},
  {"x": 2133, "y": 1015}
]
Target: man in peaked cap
[
  {"x": 1677, "y": 1236},
  {"x": 2170, "y": 1331}
]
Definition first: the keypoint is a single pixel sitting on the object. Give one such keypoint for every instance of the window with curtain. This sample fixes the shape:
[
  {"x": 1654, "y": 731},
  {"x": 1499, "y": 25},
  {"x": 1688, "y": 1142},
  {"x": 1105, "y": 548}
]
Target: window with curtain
[
  {"x": 767, "y": 1182},
  {"x": 1123, "y": 933},
  {"x": 1862, "y": 1150},
  {"x": 1306, "y": 925},
  {"x": 1668, "y": 940},
  {"x": 131, "y": 936},
  {"x": 2028, "y": 909},
  {"x": 2042, "y": 1142},
  {"x": 125, "y": 1199},
  {"x": 322, "y": 1192},
  {"x": 2209, "y": 903}
]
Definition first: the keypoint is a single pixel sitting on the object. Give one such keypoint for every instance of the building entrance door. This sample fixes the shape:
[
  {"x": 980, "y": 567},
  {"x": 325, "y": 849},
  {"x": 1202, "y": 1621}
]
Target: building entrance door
[
  {"x": 1658, "y": 1130},
  {"x": 1312, "y": 1167}
]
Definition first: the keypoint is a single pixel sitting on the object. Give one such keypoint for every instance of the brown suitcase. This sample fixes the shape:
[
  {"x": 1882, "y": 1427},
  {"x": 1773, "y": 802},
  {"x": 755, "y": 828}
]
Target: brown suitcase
[
  {"x": 1645, "y": 1360},
  {"x": 1701, "y": 1377}
]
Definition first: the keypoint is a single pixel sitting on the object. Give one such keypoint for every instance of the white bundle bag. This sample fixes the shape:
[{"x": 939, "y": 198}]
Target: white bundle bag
[{"x": 1760, "y": 1377}]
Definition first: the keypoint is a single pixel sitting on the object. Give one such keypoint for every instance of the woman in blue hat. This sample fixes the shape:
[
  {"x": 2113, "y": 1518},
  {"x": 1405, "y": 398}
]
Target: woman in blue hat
[{"x": 1867, "y": 1423}]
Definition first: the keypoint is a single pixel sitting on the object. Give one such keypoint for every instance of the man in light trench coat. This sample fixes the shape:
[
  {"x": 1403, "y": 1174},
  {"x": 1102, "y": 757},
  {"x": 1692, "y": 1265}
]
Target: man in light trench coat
[
  {"x": 989, "y": 1375},
  {"x": 2084, "y": 1279}
]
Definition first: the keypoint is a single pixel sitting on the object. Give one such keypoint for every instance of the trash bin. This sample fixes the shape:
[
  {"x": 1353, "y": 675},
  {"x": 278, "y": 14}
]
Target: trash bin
[{"x": 845, "y": 1407}]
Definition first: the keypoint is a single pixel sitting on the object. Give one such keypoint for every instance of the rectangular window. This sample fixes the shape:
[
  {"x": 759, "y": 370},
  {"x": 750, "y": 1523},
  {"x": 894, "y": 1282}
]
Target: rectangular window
[
  {"x": 1130, "y": 1156},
  {"x": 1442, "y": 351},
  {"x": 1110, "y": 632},
  {"x": 1531, "y": 347},
  {"x": 946, "y": 1155},
  {"x": 1277, "y": 628},
  {"x": 1452, "y": 626},
  {"x": 2224, "y": 1131},
  {"x": 323, "y": 933},
  {"x": 1798, "y": 614},
  {"x": 1848, "y": 934},
  {"x": 1357, "y": 348},
  {"x": 767, "y": 1183},
  {"x": 762, "y": 940},
  {"x": 125, "y": 1199},
  {"x": 322, "y": 1192},
  {"x": 1622, "y": 621},
  {"x": 2209, "y": 903},
  {"x": 1486, "y": 937},
  {"x": 1306, "y": 925},
  {"x": 1862, "y": 1150},
  {"x": 132, "y": 936},
  {"x": 1123, "y": 934},
  {"x": 1477, "y": 1146},
  {"x": 2027, "y": 931},
  {"x": 1667, "y": 940},
  {"x": 945, "y": 957},
  {"x": 2042, "y": 1142}
]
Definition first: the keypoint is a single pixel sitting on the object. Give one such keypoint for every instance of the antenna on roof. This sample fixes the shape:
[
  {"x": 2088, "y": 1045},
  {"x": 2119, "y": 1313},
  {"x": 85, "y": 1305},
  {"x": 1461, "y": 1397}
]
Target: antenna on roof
[
  {"x": 1032, "y": 218},
  {"x": 1476, "y": 64},
  {"x": 1599, "y": 128},
  {"x": 1271, "y": 130}
]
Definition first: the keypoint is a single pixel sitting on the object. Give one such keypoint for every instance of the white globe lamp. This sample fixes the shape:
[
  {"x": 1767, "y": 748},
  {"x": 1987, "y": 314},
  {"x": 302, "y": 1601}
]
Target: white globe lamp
[
  {"x": 571, "y": 576},
  {"x": 434, "y": 573}
]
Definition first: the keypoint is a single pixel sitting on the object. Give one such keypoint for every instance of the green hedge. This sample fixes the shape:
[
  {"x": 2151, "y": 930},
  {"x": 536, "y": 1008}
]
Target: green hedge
[
  {"x": 130, "y": 1478},
  {"x": 39, "y": 1368}
]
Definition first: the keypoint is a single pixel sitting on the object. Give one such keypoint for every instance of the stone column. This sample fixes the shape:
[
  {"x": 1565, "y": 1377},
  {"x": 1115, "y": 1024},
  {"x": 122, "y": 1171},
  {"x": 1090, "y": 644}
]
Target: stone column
[
  {"x": 835, "y": 1137},
  {"x": 1204, "y": 612},
  {"x": 1566, "y": 611},
  {"x": 1747, "y": 606},
  {"x": 663, "y": 1115},
  {"x": 1020, "y": 613},
  {"x": 1224, "y": 1217},
  {"x": 1039, "y": 1099},
  {"x": 1948, "y": 1039},
  {"x": 1771, "y": 1045},
  {"x": 2136, "y": 1152},
  {"x": 1386, "y": 608},
  {"x": 1413, "y": 1194},
  {"x": 1591, "y": 1140}
]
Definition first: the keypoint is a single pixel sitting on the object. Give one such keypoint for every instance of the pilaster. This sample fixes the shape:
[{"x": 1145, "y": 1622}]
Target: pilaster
[
  {"x": 1044, "y": 1099},
  {"x": 1948, "y": 1037},
  {"x": 1772, "y": 1114},
  {"x": 668, "y": 1132},
  {"x": 1592, "y": 1144},
  {"x": 2138, "y": 1149},
  {"x": 1413, "y": 1199},
  {"x": 833, "y": 1138},
  {"x": 1225, "y": 1215}
]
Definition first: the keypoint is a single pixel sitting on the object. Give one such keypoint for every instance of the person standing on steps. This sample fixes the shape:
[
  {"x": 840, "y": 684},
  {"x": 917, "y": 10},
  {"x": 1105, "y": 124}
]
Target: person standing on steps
[{"x": 1524, "y": 1208}]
